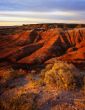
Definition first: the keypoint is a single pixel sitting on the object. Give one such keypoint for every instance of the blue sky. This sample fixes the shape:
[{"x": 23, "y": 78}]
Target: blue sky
[{"x": 17, "y": 12}]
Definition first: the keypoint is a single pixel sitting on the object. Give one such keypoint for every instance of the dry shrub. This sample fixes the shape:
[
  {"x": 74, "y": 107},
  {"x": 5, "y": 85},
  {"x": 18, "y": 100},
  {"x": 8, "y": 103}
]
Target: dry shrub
[
  {"x": 25, "y": 101},
  {"x": 8, "y": 74},
  {"x": 5, "y": 75},
  {"x": 62, "y": 75}
]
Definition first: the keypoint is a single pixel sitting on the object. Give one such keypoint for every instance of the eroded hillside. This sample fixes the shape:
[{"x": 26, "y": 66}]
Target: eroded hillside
[
  {"x": 37, "y": 46},
  {"x": 42, "y": 67}
]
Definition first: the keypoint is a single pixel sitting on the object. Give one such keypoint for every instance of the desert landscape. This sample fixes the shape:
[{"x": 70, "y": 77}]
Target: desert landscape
[{"x": 42, "y": 67}]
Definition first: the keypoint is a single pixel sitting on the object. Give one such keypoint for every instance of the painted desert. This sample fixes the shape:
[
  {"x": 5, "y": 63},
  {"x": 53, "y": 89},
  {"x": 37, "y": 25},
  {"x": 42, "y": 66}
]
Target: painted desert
[{"x": 42, "y": 67}]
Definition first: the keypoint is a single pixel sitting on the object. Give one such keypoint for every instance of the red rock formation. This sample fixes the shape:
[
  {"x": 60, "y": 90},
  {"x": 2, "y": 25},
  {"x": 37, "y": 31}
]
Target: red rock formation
[{"x": 31, "y": 47}]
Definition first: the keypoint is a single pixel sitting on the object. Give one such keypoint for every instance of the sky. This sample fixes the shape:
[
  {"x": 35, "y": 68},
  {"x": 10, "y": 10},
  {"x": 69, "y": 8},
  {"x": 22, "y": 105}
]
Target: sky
[{"x": 18, "y": 12}]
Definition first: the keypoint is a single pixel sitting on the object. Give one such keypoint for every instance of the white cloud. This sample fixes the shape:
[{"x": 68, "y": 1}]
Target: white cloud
[{"x": 27, "y": 17}]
